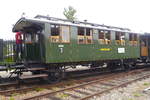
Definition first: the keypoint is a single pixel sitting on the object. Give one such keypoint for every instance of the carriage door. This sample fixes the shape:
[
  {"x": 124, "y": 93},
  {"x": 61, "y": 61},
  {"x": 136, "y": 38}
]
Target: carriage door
[
  {"x": 144, "y": 46},
  {"x": 65, "y": 36},
  {"x": 32, "y": 47}
]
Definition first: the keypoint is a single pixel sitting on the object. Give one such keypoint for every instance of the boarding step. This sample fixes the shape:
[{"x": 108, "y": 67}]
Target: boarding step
[
  {"x": 37, "y": 68},
  {"x": 33, "y": 76}
]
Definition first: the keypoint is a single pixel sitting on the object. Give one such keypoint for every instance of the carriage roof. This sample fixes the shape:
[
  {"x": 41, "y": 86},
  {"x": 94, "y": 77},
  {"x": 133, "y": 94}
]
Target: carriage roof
[{"x": 39, "y": 20}]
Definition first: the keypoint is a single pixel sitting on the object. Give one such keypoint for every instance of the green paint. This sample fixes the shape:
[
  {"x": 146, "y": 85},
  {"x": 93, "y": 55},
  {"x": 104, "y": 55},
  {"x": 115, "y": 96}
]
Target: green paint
[{"x": 74, "y": 52}]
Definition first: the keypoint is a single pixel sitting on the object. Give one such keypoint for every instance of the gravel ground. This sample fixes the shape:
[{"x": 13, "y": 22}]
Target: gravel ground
[{"x": 134, "y": 91}]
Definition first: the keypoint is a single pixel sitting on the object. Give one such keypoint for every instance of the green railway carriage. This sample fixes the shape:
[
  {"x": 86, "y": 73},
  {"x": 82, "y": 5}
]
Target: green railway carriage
[
  {"x": 57, "y": 43},
  {"x": 51, "y": 45},
  {"x": 51, "y": 40}
]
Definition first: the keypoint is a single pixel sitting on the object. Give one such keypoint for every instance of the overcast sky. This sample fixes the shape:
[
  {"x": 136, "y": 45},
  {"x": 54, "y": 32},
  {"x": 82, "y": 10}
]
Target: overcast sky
[{"x": 133, "y": 14}]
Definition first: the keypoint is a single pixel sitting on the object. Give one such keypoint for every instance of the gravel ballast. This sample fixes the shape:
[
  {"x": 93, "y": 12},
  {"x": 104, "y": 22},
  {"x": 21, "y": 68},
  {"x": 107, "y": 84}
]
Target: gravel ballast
[{"x": 134, "y": 91}]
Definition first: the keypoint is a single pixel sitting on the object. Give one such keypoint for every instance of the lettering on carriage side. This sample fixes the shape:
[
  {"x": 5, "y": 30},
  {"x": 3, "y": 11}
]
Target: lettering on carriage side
[
  {"x": 121, "y": 50},
  {"x": 60, "y": 46},
  {"x": 105, "y": 49},
  {"x": 61, "y": 50}
]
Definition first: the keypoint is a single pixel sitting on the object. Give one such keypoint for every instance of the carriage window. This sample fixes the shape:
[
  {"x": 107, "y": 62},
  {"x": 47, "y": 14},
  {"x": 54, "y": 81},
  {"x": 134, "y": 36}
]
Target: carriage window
[
  {"x": 55, "y": 33},
  {"x": 143, "y": 41},
  {"x": 36, "y": 37},
  {"x": 133, "y": 39},
  {"x": 65, "y": 34},
  {"x": 101, "y": 34},
  {"x": 89, "y": 33},
  {"x": 120, "y": 38},
  {"x": 101, "y": 37},
  {"x": 104, "y": 37},
  {"x": 31, "y": 38},
  {"x": 81, "y": 32},
  {"x": 28, "y": 38},
  {"x": 130, "y": 37},
  {"x": 107, "y": 37}
]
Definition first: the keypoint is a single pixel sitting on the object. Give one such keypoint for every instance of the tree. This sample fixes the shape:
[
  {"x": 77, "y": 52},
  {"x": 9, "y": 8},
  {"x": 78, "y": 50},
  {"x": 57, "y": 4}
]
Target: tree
[{"x": 70, "y": 13}]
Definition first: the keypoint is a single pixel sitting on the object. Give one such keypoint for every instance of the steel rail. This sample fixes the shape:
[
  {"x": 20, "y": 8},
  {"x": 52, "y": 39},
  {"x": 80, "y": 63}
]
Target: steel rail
[
  {"x": 81, "y": 85},
  {"x": 115, "y": 87},
  {"x": 21, "y": 90}
]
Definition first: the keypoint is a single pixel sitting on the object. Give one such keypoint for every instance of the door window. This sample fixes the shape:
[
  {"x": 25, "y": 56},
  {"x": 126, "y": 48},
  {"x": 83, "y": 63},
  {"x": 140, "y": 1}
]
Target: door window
[
  {"x": 104, "y": 37},
  {"x": 55, "y": 33},
  {"x": 81, "y": 39},
  {"x": 89, "y": 33},
  {"x": 65, "y": 34},
  {"x": 133, "y": 39},
  {"x": 120, "y": 38}
]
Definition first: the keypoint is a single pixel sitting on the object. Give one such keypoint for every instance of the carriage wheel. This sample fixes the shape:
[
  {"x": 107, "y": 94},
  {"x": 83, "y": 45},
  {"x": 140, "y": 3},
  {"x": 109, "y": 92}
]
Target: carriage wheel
[{"x": 56, "y": 76}]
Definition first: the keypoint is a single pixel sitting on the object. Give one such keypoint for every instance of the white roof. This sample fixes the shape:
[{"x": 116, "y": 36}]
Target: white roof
[{"x": 55, "y": 21}]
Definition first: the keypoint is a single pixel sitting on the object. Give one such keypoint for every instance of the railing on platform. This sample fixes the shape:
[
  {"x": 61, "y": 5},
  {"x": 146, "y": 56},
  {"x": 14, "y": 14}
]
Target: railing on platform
[
  {"x": 7, "y": 51},
  {"x": 1, "y": 49}
]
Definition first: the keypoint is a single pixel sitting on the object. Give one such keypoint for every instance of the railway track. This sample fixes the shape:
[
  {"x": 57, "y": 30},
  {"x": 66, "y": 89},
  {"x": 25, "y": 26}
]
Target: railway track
[
  {"x": 14, "y": 86},
  {"x": 11, "y": 87},
  {"x": 94, "y": 87},
  {"x": 16, "y": 89}
]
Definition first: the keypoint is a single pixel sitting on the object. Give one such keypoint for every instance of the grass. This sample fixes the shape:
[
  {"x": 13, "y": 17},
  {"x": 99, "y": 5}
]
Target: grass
[
  {"x": 64, "y": 95},
  {"x": 39, "y": 89},
  {"x": 130, "y": 99},
  {"x": 9, "y": 59},
  {"x": 137, "y": 94},
  {"x": 6, "y": 63},
  {"x": 146, "y": 84},
  {"x": 14, "y": 94},
  {"x": 55, "y": 88},
  {"x": 11, "y": 98}
]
